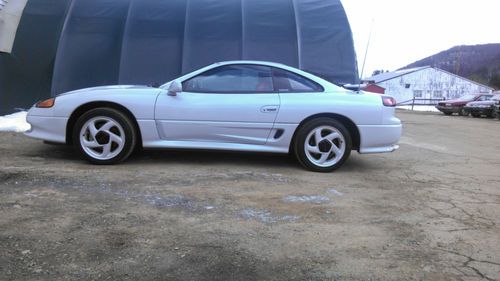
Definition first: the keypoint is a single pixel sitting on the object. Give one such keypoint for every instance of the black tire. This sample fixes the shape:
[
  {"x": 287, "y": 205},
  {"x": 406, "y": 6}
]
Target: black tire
[
  {"x": 463, "y": 112},
  {"x": 305, "y": 130},
  {"x": 130, "y": 134},
  {"x": 448, "y": 113},
  {"x": 476, "y": 115}
]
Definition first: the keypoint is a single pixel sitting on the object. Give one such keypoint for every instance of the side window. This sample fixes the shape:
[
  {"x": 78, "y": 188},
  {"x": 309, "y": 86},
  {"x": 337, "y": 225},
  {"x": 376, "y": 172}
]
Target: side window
[
  {"x": 286, "y": 81},
  {"x": 232, "y": 79}
]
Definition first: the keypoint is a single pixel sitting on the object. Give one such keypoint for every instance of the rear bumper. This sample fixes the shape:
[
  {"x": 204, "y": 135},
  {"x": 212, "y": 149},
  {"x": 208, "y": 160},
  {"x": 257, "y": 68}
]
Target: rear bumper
[
  {"x": 379, "y": 138},
  {"x": 383, "y": 149},
  {"x": 51, "y": 129}
]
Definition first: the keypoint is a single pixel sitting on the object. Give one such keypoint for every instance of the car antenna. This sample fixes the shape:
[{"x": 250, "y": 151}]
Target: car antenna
[{"x": 366, "y": 54}]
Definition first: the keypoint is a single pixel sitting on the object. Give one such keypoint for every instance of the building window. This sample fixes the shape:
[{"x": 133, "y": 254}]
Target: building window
[
  {"x": 418, "y": 93},
  {"x": 407, "y": 86},
  {"x": 437, "y": 94}
]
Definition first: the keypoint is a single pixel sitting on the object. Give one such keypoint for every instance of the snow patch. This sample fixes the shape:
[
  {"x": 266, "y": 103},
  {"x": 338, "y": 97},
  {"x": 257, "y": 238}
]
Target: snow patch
[
  {"x": 14, "y": 122},
  {"x": 421, "y": 108},
  {"x": 318, "y": 199},
  {"x": 175, "y": 201},
  {"x": 335, "y": 192},
  {"x": 266, "y": 216}
]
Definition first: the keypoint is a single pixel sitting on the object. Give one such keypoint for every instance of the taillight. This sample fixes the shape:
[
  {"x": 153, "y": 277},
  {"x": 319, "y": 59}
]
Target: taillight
[
  {"x": 46, "y": 103},
  {"x": 389, "y": 101}
]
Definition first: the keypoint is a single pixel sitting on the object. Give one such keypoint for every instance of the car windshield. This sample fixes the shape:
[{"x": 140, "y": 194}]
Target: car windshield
[{"x": 467, "y": 97}]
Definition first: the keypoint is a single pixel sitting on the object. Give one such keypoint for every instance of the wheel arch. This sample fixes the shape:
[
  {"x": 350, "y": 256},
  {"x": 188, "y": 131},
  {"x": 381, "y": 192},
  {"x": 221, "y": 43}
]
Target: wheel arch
[
  {"x": 347, "y": 122},
  {"x": 79, "y": 111}
]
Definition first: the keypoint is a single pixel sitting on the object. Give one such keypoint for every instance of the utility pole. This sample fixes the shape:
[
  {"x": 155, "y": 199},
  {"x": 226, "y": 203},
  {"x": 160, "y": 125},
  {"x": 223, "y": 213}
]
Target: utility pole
[{"x": 459, "y": 61}]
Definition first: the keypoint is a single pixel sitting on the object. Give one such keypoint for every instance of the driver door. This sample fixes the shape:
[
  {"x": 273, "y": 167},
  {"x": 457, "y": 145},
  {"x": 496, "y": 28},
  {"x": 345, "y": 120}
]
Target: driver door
[{"x": 227, "y": 104}]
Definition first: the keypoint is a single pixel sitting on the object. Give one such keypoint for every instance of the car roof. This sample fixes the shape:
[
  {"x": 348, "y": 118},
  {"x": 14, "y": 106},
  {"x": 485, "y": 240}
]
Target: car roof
[
  {"x": 267, "y": 63},
  {"x": 324, "y": 83}
]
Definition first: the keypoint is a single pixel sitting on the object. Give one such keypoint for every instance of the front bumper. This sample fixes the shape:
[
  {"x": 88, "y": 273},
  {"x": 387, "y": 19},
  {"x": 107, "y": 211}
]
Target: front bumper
[
  {"x": 480, "y": 110},
  {"x": 51, "y": 129},
  {"x": 379, "y": 138},
  {"x": 448, "y": 109}
]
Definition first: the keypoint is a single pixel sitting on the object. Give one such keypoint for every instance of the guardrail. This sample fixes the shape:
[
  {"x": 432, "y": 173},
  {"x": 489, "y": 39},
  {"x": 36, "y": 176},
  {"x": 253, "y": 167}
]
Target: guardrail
[{"x": 417, "y": 102}]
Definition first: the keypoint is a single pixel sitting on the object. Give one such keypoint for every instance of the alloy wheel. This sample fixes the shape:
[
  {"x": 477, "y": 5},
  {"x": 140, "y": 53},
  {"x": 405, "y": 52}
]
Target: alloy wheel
[
  {"x": 102, "y": 138},
  {"x": 325, "y": 146}
]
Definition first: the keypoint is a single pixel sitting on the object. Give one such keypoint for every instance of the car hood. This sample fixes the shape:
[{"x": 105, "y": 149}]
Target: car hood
[
  {"x": 107, "y": 88},
  {"x": 454, "y": 102}
]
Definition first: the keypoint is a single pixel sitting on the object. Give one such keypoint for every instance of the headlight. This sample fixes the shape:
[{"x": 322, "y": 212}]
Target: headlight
[{"x": 46, "y": 103}]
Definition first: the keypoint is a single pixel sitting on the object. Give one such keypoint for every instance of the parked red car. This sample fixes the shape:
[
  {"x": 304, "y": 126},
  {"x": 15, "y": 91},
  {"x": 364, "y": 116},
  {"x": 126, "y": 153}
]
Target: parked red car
[{"x": 449, "y": 107}]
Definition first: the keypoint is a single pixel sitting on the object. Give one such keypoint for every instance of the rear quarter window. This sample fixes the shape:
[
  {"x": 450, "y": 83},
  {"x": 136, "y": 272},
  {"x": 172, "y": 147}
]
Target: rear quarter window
[{"x": 289, "y": 82}]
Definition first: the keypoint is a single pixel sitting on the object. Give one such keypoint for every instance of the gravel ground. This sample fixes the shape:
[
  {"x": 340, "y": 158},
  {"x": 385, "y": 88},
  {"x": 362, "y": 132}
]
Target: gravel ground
[{"x": 429, "y": 211}]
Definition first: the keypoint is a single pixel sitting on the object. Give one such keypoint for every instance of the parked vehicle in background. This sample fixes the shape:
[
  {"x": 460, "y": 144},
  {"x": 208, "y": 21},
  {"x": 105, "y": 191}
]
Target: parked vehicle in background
[
  {"x": 449, "y": 107},
  {"x": 497, "y": 110},
  {"x": 487, "y": 107},
  {"x": 238, "y": 106}
]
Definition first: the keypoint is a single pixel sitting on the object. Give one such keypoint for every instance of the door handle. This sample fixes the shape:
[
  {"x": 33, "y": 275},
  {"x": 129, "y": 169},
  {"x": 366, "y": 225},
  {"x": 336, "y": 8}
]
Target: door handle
[{"x": 269, "y": 109}]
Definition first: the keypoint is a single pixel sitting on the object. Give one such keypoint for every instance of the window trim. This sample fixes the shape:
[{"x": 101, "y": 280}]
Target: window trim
[{"x": 231, "y": 92}]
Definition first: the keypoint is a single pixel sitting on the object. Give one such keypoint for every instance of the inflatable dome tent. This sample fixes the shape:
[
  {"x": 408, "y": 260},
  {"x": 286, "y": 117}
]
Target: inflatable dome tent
[{"x": 62, "y": 45}]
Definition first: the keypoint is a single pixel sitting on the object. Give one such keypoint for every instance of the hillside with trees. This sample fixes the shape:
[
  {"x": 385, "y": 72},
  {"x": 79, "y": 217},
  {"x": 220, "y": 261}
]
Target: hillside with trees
[{"x": 480, "y": 63}]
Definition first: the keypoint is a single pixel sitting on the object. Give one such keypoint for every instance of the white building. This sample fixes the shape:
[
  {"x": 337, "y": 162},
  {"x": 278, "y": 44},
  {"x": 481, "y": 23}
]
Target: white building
[{"x": 426, "y": 83}]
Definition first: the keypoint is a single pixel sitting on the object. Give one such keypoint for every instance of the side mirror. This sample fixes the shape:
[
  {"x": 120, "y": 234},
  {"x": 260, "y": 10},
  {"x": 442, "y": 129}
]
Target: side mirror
[{"x": 175, "y": 87}]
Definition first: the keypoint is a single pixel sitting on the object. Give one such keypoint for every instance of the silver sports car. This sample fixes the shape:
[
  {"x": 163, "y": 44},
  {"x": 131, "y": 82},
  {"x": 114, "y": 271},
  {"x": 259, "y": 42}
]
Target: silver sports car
[{"x": 237, "y": 105}]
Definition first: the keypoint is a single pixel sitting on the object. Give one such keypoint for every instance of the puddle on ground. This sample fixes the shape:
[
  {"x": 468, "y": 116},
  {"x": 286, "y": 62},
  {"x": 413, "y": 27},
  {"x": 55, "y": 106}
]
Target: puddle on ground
[
  {"x": 157, "y": 200},
  {"x": 179, "y": 201},
  {"x": 318, "y": 199},
  {"x": 266, "y": 216}
]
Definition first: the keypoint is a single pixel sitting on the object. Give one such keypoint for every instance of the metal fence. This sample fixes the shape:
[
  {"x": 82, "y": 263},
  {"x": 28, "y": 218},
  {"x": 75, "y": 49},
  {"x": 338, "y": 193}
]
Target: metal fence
[{"x": 416, "y": 102}]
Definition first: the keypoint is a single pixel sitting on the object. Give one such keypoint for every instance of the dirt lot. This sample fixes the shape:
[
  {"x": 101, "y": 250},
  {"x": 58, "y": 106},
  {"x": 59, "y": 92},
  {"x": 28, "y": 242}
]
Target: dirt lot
[{"x": 430, "y": 211}]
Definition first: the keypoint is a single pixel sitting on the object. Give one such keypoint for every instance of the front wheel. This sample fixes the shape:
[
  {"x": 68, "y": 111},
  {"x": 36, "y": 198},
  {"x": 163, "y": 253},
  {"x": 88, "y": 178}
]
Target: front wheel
[
  {"x": 104, "y": 136},
  {"x": 322, "y": 145},
  {"x": 463, "y": 112}
]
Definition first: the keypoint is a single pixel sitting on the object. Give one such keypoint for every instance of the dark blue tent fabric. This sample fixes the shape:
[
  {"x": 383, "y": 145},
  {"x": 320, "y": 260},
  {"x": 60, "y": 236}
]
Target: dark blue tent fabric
[
  {"x": 26, "y": 73},
  {"x": 90, "y": 45},
  {"x": 64, "y": 45}
]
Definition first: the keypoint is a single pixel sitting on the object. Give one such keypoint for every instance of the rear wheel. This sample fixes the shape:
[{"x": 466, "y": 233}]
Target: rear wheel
[
  {"x": 447, "y": 113},
  {"x": 104, "y": 136},
  {"x": 476, "y": 115},
  {"x": 322, "y": 145}
]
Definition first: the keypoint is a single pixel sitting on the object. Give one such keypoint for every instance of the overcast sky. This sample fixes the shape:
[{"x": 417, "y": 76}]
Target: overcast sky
[{"x": 405, "y": 31}]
